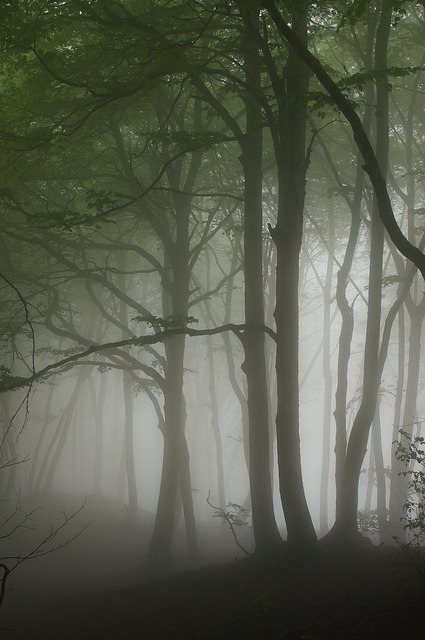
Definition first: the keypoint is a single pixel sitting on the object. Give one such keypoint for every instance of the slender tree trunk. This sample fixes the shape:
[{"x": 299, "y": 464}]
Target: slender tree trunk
[
  {"x": 345, "y": 526},
  {"x": 370, "y": 480},
  {"x": 410, "y": 417},
  {"x": 346, "y": 310},
  {"x": 215, "y": 424},
  {"x": 230, "y": 360},
  {"x": 213, "y": 403},
  {"x": 129, "y": 445},
  {"x": 8, "y": 451},
  {"x": 40, "y": 440},
  {"x": 327, "y": 377},
  {"x": 98, "y": 404},
  {"x": 394, "y": 512},
  {"x": 99, "y": 409},
  {"x": 416, "y": 312},
  {"x": 371, "y": 163},
  {"x": 121, "y": 479},
  {"x": 61, "y": 433},
  {"x": 128, "y": 404},
  {"x": 381, "y": 490}
]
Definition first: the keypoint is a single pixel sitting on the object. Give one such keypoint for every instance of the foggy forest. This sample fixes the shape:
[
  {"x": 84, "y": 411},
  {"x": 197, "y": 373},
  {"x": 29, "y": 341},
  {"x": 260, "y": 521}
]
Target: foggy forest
[{"x": 212, "y": 307}]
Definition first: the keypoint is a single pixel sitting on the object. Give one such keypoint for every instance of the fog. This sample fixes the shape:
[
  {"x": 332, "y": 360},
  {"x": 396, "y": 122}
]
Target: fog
[{"x": 211, "y": 272}]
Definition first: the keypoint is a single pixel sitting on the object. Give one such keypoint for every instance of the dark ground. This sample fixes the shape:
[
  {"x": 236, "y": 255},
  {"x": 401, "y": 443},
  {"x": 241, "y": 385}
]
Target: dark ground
[{"x": 370, "y": 593}]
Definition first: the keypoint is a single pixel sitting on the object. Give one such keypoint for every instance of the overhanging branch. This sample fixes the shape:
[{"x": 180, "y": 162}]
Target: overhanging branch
[
  {"x": 371, "y": 165},
  {"x": 9, "y": 383}
]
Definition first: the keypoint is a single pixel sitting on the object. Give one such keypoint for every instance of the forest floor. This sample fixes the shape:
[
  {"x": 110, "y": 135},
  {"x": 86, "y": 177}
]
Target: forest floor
[{"x": 368, "y": 593}]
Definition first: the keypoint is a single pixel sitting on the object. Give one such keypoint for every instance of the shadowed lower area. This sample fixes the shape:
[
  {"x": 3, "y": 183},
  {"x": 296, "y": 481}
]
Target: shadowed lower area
[{"x": 369, "y": 594}]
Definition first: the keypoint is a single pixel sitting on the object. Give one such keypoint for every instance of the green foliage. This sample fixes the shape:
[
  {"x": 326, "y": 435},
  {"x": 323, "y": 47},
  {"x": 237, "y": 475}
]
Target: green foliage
[
  {"x": 367, "y": 522},
  {"x": 103, "y": 368},
  {"x": 174, "y": 321},
  {"x": 147, "y": 384},
  {"x": 359, "y": 80},
  {"x": 392, "y": 279},
  {"x": 411, "y": 451},
  {"x": 235, "y": 516},
  {"x": 101, "y": 200},
  {"x": 189, "y": 140},
  {"x": 358, "y": 10},
  {"x": 7, "y": 381},
  {"x": 354, "y": 13}
]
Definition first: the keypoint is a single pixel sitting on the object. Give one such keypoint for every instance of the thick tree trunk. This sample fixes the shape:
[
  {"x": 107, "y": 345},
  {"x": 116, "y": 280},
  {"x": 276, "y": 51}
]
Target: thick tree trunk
[
  {"x": 162, "y": 536},
  {"x": 186, "y": 499},
  {"x": 263, "y": 520},
  {"x": 176, "y": 461},
  {"x": 259, "y": 459},
  {"x": 287, "y": 236}
]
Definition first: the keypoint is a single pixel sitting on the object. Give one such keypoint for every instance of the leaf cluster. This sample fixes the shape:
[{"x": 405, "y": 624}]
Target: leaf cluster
[
  {"x": 174, "y": 321},
  {"x": 411, "y": 451}
]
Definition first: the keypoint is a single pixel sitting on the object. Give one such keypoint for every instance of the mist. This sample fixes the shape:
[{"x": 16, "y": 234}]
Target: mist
[{"x": 211, "y": 270}]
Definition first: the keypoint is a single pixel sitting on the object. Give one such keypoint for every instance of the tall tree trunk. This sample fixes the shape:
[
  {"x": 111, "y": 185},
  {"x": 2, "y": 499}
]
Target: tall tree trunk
[
  {"x": 129, "y": 445},
  {"x": 394, "y": 507},
  {"x": 98, "y": 405},
  {"x": 8, "y": 451},
  {"x": 371, "y": 163},
  {"x": 40, "y": 439},
  {"x": 215, "y": 426},
  {"x": 264, "y": 524},
  {"x": 370, "y": 480},
  {"x": 176, "y": 461},
  {"x": 327, "y": 377},
  {"x": 162, "y": 536},
  {"x": 128, "y": 402},
  {"x": 187, "y": 500},
  {"x": 381, "y": 489},
  {"x": 213, "y": 402},
  {"x": 401, "y": 482},
  {"x": 287, "y": 236},
  {"x": 416, "y": 311},
  {"x": 345, "y": 527},
  {"x": 61, "y": 433},
  {"x": 230, "y": 360},
  {"x": 346, "y": 310}
]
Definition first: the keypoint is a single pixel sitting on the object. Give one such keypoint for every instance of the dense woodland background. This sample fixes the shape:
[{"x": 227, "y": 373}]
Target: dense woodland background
[{"x": 211, "y": 276}]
